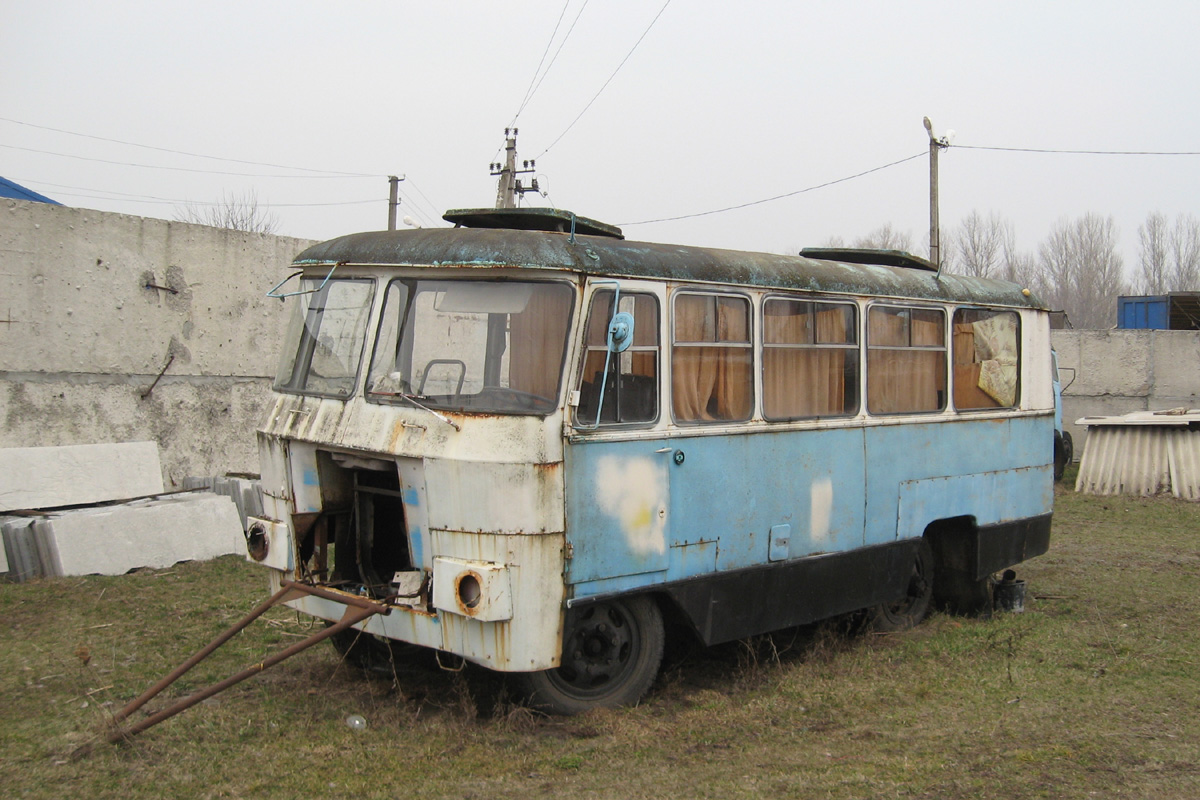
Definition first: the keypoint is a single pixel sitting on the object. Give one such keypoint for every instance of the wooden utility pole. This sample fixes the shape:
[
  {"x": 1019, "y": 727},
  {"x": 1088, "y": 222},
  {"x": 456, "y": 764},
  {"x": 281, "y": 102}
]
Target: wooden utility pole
[{"x": 935, "y": 244}]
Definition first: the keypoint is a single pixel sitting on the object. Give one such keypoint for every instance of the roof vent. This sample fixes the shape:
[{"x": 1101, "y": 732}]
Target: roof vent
[
  {"x": 553, "y": 220},
  {"x": 883, "y": 258}
]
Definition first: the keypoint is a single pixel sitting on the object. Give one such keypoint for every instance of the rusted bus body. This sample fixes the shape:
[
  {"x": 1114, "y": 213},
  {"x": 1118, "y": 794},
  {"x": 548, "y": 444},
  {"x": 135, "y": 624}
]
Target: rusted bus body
[{"x": 534, "y": 443}]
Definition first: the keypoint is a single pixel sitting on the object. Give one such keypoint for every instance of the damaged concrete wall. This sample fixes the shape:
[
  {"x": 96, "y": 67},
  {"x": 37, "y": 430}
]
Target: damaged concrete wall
[
  {"x": 1118, "y": 371},
  {"x": 93, "y": 306}
]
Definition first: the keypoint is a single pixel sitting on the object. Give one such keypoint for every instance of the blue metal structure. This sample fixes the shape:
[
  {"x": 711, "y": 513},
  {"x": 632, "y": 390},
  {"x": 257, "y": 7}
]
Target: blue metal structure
[
  {"x": 1174, "y": 311},
  {"x": 16, "y": 191}
]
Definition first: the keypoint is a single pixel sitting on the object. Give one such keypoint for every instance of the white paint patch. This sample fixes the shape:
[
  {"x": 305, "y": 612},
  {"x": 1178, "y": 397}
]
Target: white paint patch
[
  {"x": 820, "y": 509},
  {"x": 633, "y": 491}
]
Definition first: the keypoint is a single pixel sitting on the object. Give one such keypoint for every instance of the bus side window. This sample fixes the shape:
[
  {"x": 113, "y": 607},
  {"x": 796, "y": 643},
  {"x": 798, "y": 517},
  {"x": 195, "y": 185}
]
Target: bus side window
[
  {"x": 810, "y": 359},
  {"x": 711, "y": 358},
  {"x": 906, "y": 360},
  {"x": 631, "y": 393},
  {"x": 986, "y": 359}
]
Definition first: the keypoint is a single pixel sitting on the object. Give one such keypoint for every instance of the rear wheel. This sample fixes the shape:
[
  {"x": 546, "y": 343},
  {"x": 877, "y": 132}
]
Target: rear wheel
[
  {"x": 610, "y": 656},
  {"x": 912, "y": 607}
]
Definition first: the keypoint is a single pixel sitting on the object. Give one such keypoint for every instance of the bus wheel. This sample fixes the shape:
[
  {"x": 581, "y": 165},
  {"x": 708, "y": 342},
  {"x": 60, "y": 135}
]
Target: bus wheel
[
  {"x": 910, "y": 609},
  {"x": 611, "y": 654}
]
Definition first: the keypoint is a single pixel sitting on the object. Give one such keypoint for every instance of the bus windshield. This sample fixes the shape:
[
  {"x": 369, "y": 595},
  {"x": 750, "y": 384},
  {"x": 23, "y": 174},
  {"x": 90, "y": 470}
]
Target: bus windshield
[
  {"x": 325, "y": 338},
  {"x": 472, "y": 345}
]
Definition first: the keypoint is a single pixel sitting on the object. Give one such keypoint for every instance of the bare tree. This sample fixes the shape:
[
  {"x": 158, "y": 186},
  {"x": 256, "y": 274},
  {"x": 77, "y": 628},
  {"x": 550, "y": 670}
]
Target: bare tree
[
  {"x": 1169, "y": 255},
  {"x": 1152, "y": 254},
  {"x": 886, "y": 237},
  {"x": 1079, "y": 270},
  {"x": 979, "y": 246},
  {"x": 1020, "y": 267},
  {"x": 235, "y": 212}
]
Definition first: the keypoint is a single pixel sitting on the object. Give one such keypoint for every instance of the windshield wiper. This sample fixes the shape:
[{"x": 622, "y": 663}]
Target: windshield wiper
[{"x": 413, "y": 399}]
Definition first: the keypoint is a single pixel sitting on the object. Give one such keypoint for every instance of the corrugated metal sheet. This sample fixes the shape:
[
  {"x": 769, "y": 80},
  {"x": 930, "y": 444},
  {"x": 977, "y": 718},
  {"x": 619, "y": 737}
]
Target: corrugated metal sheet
[{"x": 1143, "y": 453}]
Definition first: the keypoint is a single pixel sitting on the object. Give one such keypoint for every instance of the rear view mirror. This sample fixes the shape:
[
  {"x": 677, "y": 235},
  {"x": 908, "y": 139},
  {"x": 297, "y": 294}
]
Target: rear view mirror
[{"x": 620, "y": 332}]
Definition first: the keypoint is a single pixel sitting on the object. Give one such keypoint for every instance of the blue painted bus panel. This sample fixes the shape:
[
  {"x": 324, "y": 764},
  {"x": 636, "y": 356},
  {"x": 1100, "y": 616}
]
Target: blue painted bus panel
[
  {"x": 634, "y": 510},
  {"x": 635, "y": 517},
  {"x": 979, "y": 468},
  {"x": 617, "y": 496}
]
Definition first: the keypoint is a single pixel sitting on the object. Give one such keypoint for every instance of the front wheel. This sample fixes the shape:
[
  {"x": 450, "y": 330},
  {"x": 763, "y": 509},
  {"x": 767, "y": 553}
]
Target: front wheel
[
  {"x": 912, "y": 607},
  {"x": 610, "y": 656}
]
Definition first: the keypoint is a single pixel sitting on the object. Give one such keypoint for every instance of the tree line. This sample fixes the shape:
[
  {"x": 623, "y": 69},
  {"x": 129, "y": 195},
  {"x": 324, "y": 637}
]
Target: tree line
[{"x": 1076, "y": 269}]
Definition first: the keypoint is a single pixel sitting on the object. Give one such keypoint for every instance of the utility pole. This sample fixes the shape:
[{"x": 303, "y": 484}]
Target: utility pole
[
  {"x": 393, "y": 201},
  {"x": 509, "y": 187},
  {"x": 935, "y": 245}
]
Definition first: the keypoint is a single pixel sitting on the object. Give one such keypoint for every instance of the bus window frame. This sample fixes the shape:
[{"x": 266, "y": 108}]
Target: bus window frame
[
  {"x": 752, "y": 345},
  {"x": 1018, "y": 398},
  {"x": 857, "y": 347},
  {"x": 305, "y": 344},
  {"x": 945, "y": 405},
  {"x": 580, "y": 424}
]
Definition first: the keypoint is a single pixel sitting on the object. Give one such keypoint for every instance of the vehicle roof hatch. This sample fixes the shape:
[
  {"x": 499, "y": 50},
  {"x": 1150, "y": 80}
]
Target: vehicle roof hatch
[{"x": 553, "y": 220}]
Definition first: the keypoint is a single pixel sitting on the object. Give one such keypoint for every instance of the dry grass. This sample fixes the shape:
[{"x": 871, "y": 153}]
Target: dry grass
[{"x": 1094, "y": 691}]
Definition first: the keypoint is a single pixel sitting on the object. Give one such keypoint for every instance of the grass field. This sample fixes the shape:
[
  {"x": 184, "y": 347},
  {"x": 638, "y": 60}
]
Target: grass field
[{"x": 1093, "y": 692}]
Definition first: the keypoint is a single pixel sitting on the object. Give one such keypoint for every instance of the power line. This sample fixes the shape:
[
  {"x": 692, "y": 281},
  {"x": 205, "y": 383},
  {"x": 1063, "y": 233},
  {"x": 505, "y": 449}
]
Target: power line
[
  {"x": 554, "y": 58},
  {"x": 151, "y": 199},
  {"x": 534, "y": 80},
  {"x": 1075, "y": 152},
  {"x": 177, "y": 169},
  {"x": 429, "y": 205},
  {"x": 184, "y": 153},
  {"x": 610, "y": 78},
  {"x": 779, "y": 196}
]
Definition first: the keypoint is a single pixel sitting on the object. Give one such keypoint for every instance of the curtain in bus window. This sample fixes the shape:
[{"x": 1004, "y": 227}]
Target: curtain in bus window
[
  {"x": 801, "y": 380},
  {"x": 711, "y": 381},
  {"x": 905, "y": 380},
  {"x": 537, "y": 336},
  {"x": 985, "y": 359}
]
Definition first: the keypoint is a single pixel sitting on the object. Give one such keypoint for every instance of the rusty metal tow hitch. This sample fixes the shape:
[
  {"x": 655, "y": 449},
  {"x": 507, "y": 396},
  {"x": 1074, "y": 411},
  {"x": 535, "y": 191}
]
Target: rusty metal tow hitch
[{"x": 357, "y": 609}]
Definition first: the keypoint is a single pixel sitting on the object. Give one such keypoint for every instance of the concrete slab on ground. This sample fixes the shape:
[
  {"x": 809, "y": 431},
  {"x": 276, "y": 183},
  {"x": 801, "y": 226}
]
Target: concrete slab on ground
[
  {"x": 112, "y": 540},
  {"x": 52, "y": 477}
]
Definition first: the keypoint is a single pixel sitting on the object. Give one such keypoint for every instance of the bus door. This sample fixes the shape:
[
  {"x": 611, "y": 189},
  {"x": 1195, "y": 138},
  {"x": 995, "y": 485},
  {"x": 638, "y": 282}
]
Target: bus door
[
  {"x": 745, "y": 494},
  {"x": 617, "y": 460}
]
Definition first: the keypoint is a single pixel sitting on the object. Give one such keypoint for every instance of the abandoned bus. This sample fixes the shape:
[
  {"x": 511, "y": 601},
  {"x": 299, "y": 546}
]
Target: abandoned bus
[{"x": 531, "y": 441}]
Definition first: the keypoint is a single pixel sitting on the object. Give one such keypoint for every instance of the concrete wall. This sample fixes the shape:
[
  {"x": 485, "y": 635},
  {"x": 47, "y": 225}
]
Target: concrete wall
[
  {"x": 82, "y": 338},
  {"x": 1118, "y": 371}
]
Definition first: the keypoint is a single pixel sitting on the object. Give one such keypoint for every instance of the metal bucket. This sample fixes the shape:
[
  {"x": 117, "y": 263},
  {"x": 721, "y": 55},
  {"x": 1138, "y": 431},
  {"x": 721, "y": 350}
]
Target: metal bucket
[{"x": 1009, "y": 594}]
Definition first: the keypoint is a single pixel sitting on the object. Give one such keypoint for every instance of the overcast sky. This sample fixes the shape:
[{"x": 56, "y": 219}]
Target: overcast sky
[{"x": 720, "y": 104}]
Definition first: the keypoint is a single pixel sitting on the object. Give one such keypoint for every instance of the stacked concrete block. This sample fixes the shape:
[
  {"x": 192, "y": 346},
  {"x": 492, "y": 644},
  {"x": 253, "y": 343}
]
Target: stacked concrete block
[
  {"x": 53, "y": 477},
  {"x": 112, "y": 540},
  {"x": 3, "y": 549},
  {"x": 22, "y": 560},
  {"x": 246, "y": 493}
]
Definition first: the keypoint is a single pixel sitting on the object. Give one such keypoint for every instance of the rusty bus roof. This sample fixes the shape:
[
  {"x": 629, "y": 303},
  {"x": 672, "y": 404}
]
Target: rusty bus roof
[{"x": 604, "y": 256}]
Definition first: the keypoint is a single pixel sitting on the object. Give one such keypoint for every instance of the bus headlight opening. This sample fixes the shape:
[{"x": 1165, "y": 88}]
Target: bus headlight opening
[
  {"x": 469, "y": 591},
  {"x": 257, "y": 543}
]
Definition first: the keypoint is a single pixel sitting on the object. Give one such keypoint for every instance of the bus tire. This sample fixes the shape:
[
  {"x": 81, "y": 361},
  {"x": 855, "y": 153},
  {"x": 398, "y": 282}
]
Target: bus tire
[
  {"x": 611, "y": 654},
  {"x": 912, "y": 607}
]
